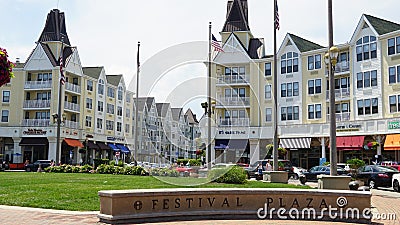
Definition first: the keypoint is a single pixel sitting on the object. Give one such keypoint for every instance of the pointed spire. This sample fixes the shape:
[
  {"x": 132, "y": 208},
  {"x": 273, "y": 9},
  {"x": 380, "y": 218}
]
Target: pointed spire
[
  {"x": 55, "y": 28},
  {"x": 237, "y": 16}
]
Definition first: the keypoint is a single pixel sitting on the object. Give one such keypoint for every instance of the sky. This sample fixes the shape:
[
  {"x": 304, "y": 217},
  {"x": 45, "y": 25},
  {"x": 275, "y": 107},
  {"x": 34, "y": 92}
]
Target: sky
[{"x": 172, "y": 33}]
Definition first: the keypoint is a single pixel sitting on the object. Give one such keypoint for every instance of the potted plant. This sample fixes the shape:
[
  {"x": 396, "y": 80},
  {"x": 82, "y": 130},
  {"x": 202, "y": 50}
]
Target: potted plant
[{"x": 6, "y": 68}]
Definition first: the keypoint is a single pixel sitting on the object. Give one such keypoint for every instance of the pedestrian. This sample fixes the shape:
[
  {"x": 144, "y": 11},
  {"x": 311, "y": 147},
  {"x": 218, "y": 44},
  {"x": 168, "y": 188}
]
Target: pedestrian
[
  {"x": 268, "y": 166},
  {"x": 259, "y": 169}
]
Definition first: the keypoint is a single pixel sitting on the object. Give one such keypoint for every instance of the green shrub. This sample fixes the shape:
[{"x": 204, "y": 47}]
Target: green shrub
[
  {"x": 164, "y": 172},
  {"x": 230, "y": 175},
  {"x": 98, "y": 162},
  {"x": 120, "y": 163},
  {"x": 183, "y": 161},
  {"x": 194, "y": 162},
  {"x": 86, "y": 169}
]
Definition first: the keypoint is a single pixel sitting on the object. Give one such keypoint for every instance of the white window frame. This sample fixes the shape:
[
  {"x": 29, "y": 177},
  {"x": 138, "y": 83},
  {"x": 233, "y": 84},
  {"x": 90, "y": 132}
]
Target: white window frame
[{"x": 4, "y": 95}]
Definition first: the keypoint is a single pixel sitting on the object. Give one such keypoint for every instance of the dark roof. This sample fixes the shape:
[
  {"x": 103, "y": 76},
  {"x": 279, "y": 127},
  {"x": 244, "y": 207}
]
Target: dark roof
[
  {"x": 236, "y": 16},
  {"x": 50, "y": 54},
  {"x": 149, "y": 102},
  {"x": 382, "y": 26},
  {"x": 304, "y": 45},
  {"x": 141, "y": 103},
  {"x": 162, "y": 109},
  {"x": 55, "y": 28},
  {"x": 113, "y": 79},
  {"x": 176, "y": 112},
  {"x": 254, "y": 50},
  {"x": 191, "y": 117},
  {"x": 93, "y": 72}
]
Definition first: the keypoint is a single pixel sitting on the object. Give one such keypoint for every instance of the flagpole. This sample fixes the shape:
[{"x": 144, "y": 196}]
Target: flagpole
[
  {"x": 136, "y": 104},
  {"x": 209, "y": 100},
  {"x": 58, "y": 148},
  {"x": 276, "y": 140}
]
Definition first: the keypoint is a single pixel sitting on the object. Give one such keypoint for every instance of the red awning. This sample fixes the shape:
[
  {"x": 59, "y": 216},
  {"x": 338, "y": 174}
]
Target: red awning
[
  {"x": 73, "y": 142},
  {"x": 350, "y": 143}
]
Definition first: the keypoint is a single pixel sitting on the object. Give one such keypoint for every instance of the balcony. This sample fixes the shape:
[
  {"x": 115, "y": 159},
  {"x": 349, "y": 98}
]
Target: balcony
[
  {"x": 36, "y": 122},
  {"x": 37, "y": 84},
  {"x": 340, "y": 94},
  {"x": 341, "y": 67},
  {"x": 71, "y": 106},
  {"x": 71, "y": 124},
  {"x": 340, "y": 117},
  {"x": 234, "y": 122},
  {"x": 36, "y": 104},
  {"x": 240, "y": 79},
  {"x": 233, "y": 101},
  {"x": 72, "y": 87}
]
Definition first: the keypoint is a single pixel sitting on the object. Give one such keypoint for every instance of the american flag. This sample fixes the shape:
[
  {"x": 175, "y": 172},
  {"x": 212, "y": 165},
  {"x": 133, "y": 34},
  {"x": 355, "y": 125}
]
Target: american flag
[
  {"x": 216, "y": 44},
  {"x": 277, "y": 26},
  {"x": 62, "y": 77}
]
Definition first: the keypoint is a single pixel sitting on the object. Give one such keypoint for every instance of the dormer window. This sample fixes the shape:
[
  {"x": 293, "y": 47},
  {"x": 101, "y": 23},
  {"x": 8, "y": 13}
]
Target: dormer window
[
  {"x": 290, "y": 63},
  {"x": 366, "y": 48}
]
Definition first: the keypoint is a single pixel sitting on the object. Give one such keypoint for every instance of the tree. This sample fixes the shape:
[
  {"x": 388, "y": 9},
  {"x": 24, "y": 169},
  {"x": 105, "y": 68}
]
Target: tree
[{"x": 282, "y": 152}]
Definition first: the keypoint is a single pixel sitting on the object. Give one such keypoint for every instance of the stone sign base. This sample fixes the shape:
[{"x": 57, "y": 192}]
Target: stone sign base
[
  {"x": 276, "y": 176},
  {"x": 160, "y": 205},
  {"x": 333, "y": 182}
]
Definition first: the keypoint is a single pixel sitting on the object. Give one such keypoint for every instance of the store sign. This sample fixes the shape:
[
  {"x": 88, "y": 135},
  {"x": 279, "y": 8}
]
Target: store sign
[
  {"x": 394, "y": 125},
  {"x": 34, "y": 132},
  {"x": 348, "y": 127},
  {"x": 232, "y": 132},
  {"x": 115, "y": 139}
]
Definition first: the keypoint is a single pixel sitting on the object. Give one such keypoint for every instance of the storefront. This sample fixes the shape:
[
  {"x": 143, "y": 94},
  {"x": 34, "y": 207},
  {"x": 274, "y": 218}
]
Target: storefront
[
  {"x": 105, "y": 151},
  {"x": 232, "y": 151},
  {"x": 391, "y": 148},
  {"x": 300, "y": 153},
  {"x": 34, "y": 148},
  {"x": 69, "y": 150},
  {"x": 350, "y": 147},
  {"x": 126, "y": 152}
]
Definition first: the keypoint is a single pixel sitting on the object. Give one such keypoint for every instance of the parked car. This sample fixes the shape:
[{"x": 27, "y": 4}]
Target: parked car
[
  {"x": 297, "y": 172},
  {"x": 396, "y": 181},
  {"x": 252, "y": 169},
  {"x": 376, "y": 175},
  {"x": 244, "y": 165},
  {"x": 222, "y": 165},
  {"x": 312, "y": 174},
  {"x": 34, "y": 166},
  {"x": 397, "y": 167},
  {"x": 184, "y": 171}
]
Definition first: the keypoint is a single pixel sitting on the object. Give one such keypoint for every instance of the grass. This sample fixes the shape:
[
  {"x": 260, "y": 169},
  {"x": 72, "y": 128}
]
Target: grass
[{"x": 78, "y": 192}]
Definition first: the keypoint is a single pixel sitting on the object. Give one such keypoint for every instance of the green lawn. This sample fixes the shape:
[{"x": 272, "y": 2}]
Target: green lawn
[{"x": 78, "y": 192}]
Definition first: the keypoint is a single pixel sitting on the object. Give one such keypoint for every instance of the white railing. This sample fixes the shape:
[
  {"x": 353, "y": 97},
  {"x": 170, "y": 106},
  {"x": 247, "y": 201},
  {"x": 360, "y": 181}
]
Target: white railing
[
  {"x": 233, "y": 101},
  {"x": 340, "y": 67},
  {"x": 342, "y": 93},
  {"x": 340, "y": 117},
  {"x": 239, "y": 79},
  {"x": 235, "y": 122},
  {"x": 72, "y": 87},
  {"x": 37, "y": 84},
  {"x": 36, "y": 122},
  {"x": 71, "y": 124},
  {"x": 36, "y": 104},
  {"x": 71, "y": 106}
]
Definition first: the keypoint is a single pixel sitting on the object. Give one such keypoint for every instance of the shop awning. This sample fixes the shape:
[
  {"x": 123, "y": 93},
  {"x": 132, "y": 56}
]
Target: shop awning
[
  {"x": 221, "y": 144},
  {"x": 73, "y": 142},
  {"x": 113, "y": 147},
  {"x": 231, "y": 144},
  {"x": 33, "y": 141},
  {"x": 350, "y": 143},
  {"x": 92, "y": 145},
  {"x": 392, "y": 142},
  {"x": 102, "y": 146},
  {"x": 123, "y": 148},
  {"x": 295, "y": 143}
]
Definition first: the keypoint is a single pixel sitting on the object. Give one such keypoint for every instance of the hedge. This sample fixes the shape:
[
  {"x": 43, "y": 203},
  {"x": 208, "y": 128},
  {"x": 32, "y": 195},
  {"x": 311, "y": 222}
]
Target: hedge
[{"x": 230, "y": 175}]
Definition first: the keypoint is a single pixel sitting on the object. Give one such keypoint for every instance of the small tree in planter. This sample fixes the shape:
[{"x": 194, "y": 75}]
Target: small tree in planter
[
  {"x": 354, "y": 164},
  {"x": 281, "y": 152}
]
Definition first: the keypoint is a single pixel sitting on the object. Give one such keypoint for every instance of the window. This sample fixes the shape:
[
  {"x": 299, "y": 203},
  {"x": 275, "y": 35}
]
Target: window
[
  {"x": 290, "y": 89},
  {"x": 4, "y": 116},
  {"x": 311, "y": 87},
  {"x": 110, "y": 92},
  {"x": 89, "y": 103},
  {"x": 100, "y": 87},
  {"x": 120, "y": 93},
  {"x": 283, "y": 90},
  {"x": 128, "y": 113},
  {"x": 109, "y": 125},
  {"x": 268, "y": 114},
  {"x": 290, "y": 113},
  {"x": 42, "y": 115},
  {"x": 268, "y": 94},
  {"x": 99, "y": 123},
  {"x": 119, "y": 126},
  {"x": 394, "y": 46},
  {"x": 128, "y": 98},
  {"x": 314, "y": 62},
  {"x": 127, "y": 128},
  {"x": 366, "y": 48},
  {"x": 367, "y": 106},
  {"x": 394, "y": 74},
  {"x": 100, "y": 106},
  {"x": 289, "y": 63},
  {"x": 393, "y": 104},
  {"x": 119, "y": 111},
  {"x": 44, "y": 77},
  {"x": 367, "y": 79},
  {"x": 315, "y": 86},
  {"x": 234, "y": 73},
  {"x": 6, "y": 96},
  {"x": 295, "y": 88},
  {"x": 110, "y": 108},
  {"x": 88, "y": 121},
  {"x": 314, "y": 111},
  {"x": 268, "y": 70},
  {"x": 310, "y": 112},
  {"x": 89, "y": 85}
]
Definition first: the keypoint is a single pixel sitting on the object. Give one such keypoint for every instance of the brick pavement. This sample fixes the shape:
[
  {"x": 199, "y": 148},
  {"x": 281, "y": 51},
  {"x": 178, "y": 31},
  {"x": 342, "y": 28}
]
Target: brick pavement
[{"x": 10, "y": 215}]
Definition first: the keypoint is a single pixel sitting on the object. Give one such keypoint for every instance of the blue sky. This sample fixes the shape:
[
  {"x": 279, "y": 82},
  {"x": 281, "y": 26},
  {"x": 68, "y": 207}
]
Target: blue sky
[{"x": 106, "y": 32}]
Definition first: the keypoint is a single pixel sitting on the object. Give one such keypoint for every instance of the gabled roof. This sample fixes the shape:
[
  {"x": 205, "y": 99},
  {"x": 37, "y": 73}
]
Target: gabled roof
[
  {"x": 162, "y": 109},
  {"x": 113, "y": 79},
  {"x": 382, "y": 26},
  {"x": 93, "y": 72},
  {"x": 176, "y": 113},
  {"x": 191, "y": 117},
  {"x": 50, "y": 54},
  {"x": 236, "y": 16},
  {"x": 55, "y": 28},
  {"x": 149, "y": 102},
  {"x": 141, "y": 103},
  {"x": 304, "y": 45},
  {"x": 256, "y": 46}
]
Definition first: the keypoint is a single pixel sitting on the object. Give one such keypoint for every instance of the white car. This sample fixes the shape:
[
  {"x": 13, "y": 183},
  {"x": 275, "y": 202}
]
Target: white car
[
  {"x": 396, "y": 181},
  {"x": 297, "y": 172}
]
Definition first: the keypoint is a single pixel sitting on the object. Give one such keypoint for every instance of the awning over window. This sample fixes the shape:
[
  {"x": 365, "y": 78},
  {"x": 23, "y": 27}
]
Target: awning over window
[
  {"x": 102, "y": 146},
  {"x": 350, "y": 143},
  {"x": 73, "y": 142},
  {"x": 230, "y": 144},
  {"x": 295, "y": 143},
  {"x": 113, "y": 147},
  {"x": 123, "y": 148},
  {"x": 392, "y": 142},
  {"x": 221, "y": 144},
  {"x": 33, "y": 141},
  {"x": 92, "y": 145}
]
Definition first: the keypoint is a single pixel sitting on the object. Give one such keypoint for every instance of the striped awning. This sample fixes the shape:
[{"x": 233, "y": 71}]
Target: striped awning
[{"x": 295, "y": 143}]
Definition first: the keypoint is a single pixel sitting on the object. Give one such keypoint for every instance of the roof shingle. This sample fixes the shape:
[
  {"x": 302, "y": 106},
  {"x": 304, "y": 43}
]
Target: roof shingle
[
  {"x": 304, "y": 45},
  {"x": 382, "y": 26}
]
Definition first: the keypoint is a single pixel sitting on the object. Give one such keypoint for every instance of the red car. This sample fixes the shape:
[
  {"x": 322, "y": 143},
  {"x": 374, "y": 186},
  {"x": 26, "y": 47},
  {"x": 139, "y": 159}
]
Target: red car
[
  {"x": 184, "y": 171},
  {"x": 397, "y": 167}
]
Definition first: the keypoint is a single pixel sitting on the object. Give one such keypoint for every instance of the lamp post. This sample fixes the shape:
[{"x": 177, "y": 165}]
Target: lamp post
[{"x": 137, "y": 104}]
